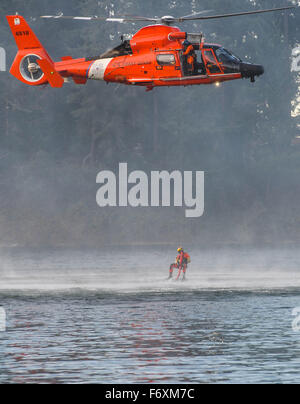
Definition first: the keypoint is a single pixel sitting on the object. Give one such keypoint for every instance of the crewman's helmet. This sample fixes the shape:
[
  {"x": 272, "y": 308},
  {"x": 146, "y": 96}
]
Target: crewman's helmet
[{"x": 180, "y": 249}]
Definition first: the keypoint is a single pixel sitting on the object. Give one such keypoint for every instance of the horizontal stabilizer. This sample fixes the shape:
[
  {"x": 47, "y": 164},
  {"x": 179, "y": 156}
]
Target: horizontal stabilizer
[{"x": 51, "y": 74}]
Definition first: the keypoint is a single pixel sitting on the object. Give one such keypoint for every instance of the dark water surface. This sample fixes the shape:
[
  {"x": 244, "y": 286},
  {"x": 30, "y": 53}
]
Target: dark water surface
[{"x": 110, "y": 317}]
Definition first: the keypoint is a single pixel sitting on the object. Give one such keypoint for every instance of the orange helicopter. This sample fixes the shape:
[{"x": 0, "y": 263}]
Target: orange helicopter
[{"x": 157, "y": 55}]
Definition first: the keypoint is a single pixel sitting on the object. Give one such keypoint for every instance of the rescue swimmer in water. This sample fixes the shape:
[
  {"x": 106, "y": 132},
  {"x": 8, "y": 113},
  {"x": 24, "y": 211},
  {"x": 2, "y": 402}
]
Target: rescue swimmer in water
[{"x": 181, "y": 263}]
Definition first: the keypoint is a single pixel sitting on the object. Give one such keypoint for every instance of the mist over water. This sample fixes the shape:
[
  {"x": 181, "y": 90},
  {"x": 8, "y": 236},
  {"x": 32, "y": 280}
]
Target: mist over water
[{"x": 133, "y": 269}]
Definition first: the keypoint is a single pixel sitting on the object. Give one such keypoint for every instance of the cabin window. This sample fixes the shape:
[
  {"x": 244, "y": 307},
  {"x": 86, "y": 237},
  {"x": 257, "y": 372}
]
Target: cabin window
[{"x": 166, "y": 59}]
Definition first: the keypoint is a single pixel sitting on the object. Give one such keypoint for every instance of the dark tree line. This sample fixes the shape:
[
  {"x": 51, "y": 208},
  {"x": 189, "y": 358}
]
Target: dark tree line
[{"x": 54, "y": 142}]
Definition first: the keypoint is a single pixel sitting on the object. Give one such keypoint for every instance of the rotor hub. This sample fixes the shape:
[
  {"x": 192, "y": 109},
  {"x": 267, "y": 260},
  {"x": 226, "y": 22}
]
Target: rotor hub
[
  {"x": 168, "y": 20},
  {"x": 33, "y": 67},
  {"x": 30, "y": 69}
]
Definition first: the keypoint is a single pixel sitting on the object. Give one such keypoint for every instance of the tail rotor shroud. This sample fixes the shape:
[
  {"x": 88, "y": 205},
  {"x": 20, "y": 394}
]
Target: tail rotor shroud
[{"x": 30, "y": 69}]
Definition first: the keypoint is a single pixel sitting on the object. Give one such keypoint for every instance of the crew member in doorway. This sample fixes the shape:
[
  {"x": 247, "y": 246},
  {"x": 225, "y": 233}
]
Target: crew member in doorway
[
  {"x": 190, "y": 57},
  {"x": 181, "y": 263}
]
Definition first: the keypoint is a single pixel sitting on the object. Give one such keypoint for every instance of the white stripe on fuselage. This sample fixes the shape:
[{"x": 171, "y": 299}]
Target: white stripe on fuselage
[{"x": 97, "y": 70}]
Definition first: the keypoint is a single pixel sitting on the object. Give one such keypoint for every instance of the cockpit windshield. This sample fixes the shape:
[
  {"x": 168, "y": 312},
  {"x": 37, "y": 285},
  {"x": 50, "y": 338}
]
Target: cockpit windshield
[{"x": 224, "y": 56}]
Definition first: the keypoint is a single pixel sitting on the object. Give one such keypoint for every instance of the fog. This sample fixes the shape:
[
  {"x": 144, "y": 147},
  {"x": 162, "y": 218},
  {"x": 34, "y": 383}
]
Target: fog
[
  {"x": 55, "y": 142},
  {"x": 145, "y": 270}
]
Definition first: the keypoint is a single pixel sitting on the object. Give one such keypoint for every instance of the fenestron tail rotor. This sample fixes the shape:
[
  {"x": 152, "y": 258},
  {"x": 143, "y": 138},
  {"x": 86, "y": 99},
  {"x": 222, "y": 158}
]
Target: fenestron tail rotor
[
  {"x": 30, "y": 69},
  {"x": 166, "y": 20}
]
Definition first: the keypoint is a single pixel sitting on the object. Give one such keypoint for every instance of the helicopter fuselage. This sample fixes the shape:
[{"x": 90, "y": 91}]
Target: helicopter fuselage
[{"x": 154, "y": 57}]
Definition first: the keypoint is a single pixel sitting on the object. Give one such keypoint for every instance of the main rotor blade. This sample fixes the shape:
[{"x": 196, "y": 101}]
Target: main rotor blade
[
  {"x": 96, "y": 18},
  {"x": 192, "y": 17},
  {"x": 212, "y": 17},
  {"x": 194, "y": 14},
  {"x": 134, "y": 19},
  {"x": 65, "y": 17},
  {"x": 139, "y": 18}
]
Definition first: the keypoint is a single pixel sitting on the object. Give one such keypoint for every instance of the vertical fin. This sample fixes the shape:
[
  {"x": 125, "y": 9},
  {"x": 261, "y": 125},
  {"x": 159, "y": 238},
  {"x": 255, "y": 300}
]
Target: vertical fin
[{"x": 24, "y": 36}]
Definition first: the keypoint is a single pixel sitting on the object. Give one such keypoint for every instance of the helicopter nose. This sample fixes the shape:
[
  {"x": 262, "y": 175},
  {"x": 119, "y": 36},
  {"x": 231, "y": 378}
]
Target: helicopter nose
[{"x": 249, "y": 70}]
